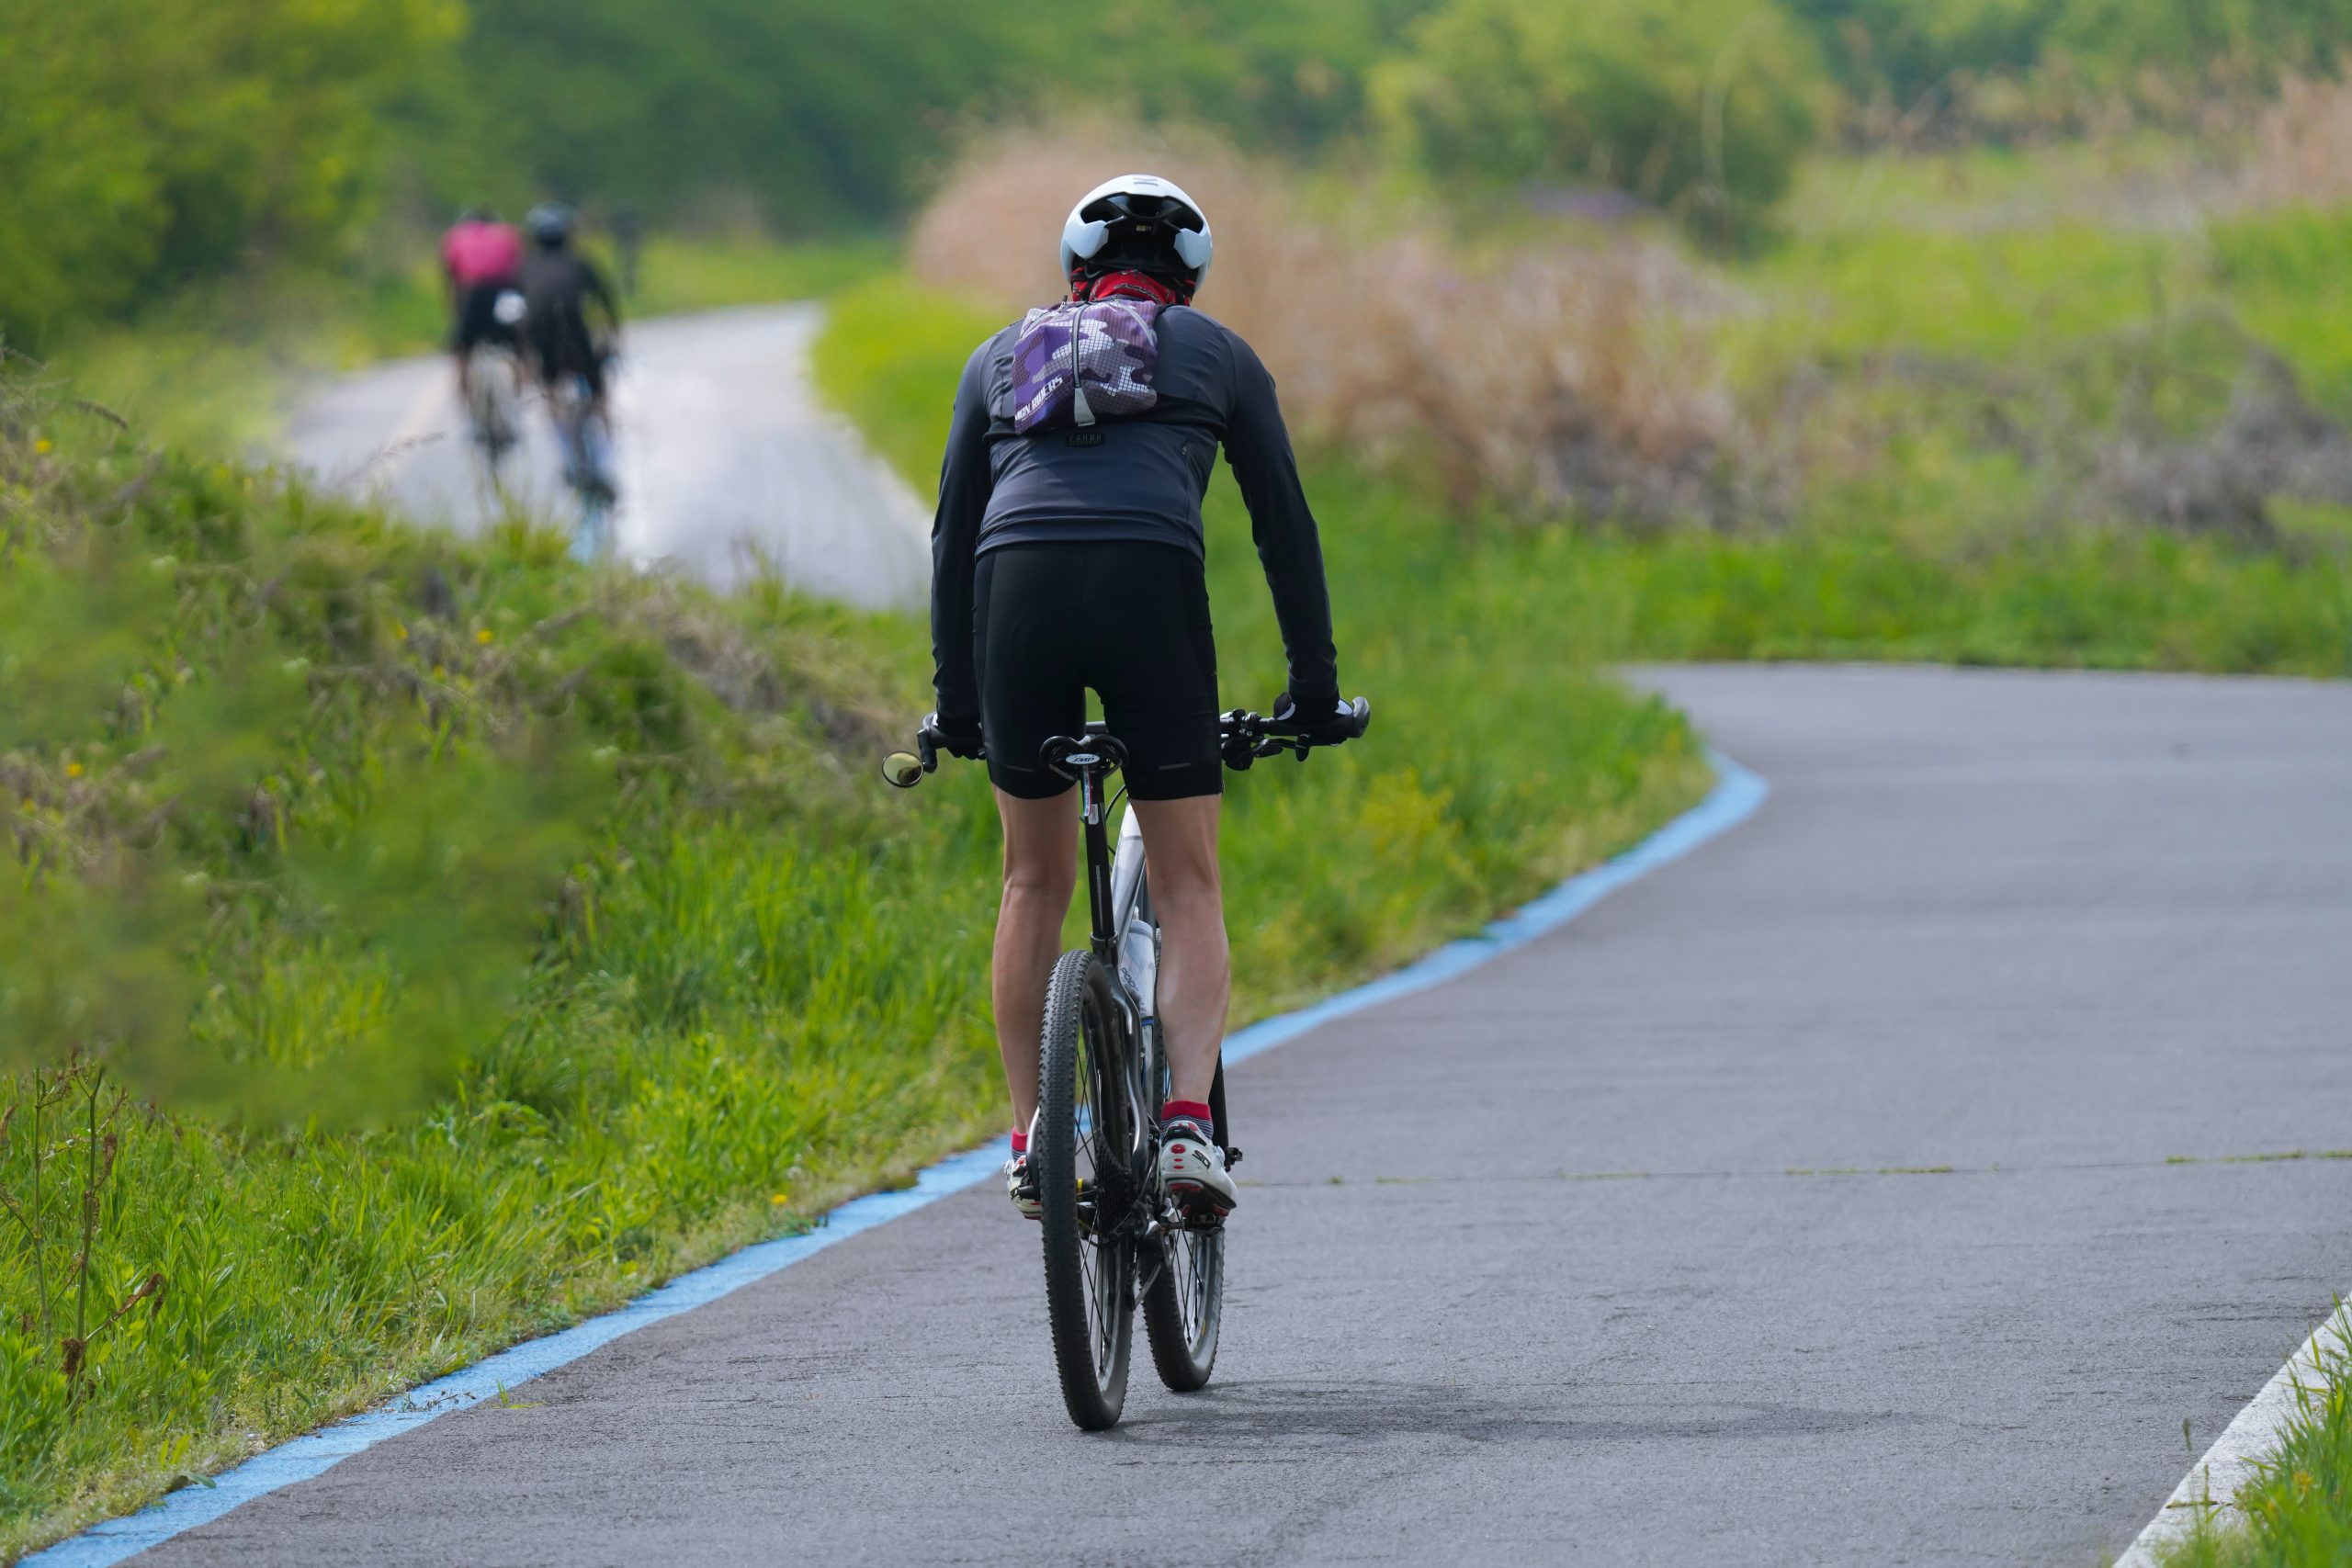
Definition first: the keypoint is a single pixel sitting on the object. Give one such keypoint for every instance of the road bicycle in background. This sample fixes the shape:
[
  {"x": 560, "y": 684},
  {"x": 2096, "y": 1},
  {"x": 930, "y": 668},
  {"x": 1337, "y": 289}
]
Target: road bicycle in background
[
  {"x": 586, "y": 443},
  {"x": 1113, "y": 1237},
  {"x": 493, "y": 418}
]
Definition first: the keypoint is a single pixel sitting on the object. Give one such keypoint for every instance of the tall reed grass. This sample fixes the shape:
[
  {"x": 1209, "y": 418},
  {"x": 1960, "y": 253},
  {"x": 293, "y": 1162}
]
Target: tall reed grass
[
  {"x": 2301, "y": 154},
  {"x": 1565, "y": 371}
]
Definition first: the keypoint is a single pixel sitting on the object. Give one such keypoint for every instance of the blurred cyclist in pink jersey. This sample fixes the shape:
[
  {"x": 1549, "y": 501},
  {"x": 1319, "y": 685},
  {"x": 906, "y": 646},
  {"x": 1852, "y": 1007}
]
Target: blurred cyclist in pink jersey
[{"x": 479, "y": 256}]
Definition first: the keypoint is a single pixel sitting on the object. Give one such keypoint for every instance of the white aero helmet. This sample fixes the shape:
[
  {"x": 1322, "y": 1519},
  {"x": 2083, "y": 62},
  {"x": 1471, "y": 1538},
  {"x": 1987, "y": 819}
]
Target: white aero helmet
[{"x": 1138, "y": 221}]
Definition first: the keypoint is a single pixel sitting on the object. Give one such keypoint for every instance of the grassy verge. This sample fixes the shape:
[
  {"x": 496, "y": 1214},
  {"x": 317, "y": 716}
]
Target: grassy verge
[
  {"x": 2032, "y": 422},
  {"x": 2298, "y": 1512},
  {"x": 1940, "y": 559},
  {"x": 499, "y": 938}
]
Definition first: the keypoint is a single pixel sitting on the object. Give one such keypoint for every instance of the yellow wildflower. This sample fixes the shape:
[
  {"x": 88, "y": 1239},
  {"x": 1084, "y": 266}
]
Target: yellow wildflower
[
  {"x": 484, "y": 636},
  {"x": 72, "y": 770},
  {"x": 44, "y": 445}
]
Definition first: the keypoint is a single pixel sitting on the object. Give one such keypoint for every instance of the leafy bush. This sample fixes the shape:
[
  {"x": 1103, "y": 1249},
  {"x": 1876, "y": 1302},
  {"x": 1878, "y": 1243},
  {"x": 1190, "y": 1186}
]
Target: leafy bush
[
  {"x": 146, "y": 142},
  {"x": 1701, "y": 106},
  {"x": 2112, "y": 37},
  {"x": 810, "y": 114},
  {"x": 2007, "y": 70}
]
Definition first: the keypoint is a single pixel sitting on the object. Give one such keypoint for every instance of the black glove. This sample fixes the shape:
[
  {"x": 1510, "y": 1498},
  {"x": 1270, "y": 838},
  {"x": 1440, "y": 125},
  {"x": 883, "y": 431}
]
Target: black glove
[
  {"x": 1318, "y": 719},
  {"x": 959, "y": 733}
]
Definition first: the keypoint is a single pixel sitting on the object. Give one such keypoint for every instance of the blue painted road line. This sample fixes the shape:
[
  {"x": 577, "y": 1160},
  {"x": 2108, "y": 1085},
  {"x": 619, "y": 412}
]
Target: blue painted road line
[{"x": 1736, "y": 796}]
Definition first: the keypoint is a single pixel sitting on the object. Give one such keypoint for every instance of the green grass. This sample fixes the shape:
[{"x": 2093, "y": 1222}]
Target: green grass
[
  {"x": 483, "y": 940},
  {"x": 2018, "y": 257},
  {"x": 1942, "y": 559},
  {"x": 709, "y": 273},
  {"x": 2298, "y": 1511}
]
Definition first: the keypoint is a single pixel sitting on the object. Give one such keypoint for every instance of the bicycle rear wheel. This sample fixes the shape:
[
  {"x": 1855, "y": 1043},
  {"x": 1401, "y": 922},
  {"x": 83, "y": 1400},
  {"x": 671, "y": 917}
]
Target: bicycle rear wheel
[
  {"x": 493, "y": 412},
  {"x": 1184, "y": 1306},
  {"x": 1083, "y": 1152}
]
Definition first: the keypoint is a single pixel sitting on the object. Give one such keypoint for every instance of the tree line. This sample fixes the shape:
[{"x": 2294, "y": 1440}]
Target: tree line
[{"x": 146, "y": 143}]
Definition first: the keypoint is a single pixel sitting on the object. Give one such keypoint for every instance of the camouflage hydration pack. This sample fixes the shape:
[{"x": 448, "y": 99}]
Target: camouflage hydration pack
[{"x": 1083, "y": 360}]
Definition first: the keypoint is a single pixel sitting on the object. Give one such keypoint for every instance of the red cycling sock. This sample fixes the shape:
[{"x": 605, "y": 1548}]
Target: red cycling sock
[
  {"x": 1186, "y": 1111},
  {"x": 1019, "y": 1141}
]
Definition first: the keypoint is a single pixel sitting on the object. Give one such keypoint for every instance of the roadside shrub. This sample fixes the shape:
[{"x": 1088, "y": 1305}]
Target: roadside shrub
[
  {"x": 144, "y": 142},
  {"x": 1702, "y": 106}
]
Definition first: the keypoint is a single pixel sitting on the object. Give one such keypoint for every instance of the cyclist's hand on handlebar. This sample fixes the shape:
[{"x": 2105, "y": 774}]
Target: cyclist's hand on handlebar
[
  {"x": 958, "y": 734},
  {"x": 1326, "y": 720}
]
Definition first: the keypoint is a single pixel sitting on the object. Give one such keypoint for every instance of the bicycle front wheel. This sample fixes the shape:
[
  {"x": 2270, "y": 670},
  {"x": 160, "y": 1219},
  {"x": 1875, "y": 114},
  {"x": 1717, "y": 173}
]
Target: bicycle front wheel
[{"x": 1084, "y": 1153}]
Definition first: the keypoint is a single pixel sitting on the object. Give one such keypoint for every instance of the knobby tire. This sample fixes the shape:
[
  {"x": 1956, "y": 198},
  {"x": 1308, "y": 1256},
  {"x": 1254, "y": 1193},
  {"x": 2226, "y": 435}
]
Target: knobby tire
[
  {"x": 1184, "y": 1308},
  {"x": 1090, "y": 1310}
]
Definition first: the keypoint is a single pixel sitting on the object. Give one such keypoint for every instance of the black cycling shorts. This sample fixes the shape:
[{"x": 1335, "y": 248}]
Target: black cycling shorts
[
  {"x": 1130, "y": 620},
  {"x": 478, "y": 320},
  {"x": 563, "y": 345}
]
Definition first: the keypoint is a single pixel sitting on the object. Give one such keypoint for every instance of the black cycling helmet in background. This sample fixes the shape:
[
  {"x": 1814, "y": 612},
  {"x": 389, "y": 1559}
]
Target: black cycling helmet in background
[
  {"x": 551, "y": 224},
  {"x": 1138, "y": 223}
]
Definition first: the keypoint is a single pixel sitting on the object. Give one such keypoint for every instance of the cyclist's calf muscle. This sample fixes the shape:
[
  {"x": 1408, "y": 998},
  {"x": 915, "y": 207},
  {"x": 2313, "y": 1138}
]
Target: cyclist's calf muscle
[{"x": 1040, "y": 872}]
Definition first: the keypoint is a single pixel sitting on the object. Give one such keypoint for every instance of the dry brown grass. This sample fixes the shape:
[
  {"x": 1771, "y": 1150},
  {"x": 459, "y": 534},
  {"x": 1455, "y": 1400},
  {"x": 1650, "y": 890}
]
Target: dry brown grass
[
  {"x": 2303, "y": 145},
  {"x": 1553, "y": 373}
]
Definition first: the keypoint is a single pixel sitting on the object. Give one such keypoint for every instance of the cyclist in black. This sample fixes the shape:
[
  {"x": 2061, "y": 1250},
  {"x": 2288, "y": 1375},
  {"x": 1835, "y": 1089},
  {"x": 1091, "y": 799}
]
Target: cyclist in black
[
  {"x": 1067, "y": 554},
  {"x": 558, "y": 283}
]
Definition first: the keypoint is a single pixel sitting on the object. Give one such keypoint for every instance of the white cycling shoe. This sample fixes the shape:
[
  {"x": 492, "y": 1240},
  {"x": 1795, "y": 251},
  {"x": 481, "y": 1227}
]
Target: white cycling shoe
[
  {"x": 1191, "y": 1167},
  {"x": 1021, "y": 1187}
]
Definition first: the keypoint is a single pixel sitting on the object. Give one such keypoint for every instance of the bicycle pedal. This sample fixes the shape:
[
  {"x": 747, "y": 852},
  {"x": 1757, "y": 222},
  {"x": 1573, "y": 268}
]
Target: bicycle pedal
[{"x": 1198, "y": 1209}]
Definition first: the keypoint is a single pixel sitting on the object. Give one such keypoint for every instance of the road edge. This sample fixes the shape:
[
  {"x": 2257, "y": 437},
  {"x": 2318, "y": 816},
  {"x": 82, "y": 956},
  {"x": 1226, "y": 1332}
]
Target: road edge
[
  {"x": 2211, "y": 1486},
  {"x": 1736, "y": 794}
]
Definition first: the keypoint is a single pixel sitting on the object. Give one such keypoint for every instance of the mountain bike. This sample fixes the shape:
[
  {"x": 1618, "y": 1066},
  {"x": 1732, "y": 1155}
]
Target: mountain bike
[{"x": 1112, "y": 1236}]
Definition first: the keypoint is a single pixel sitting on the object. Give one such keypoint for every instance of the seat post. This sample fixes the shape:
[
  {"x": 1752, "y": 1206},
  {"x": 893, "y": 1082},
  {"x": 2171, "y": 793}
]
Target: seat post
[{"x": 1091, "y": 780}]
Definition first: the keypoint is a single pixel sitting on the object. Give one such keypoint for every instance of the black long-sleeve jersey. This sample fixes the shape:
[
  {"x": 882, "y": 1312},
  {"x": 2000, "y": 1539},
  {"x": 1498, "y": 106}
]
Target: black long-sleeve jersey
[{"x": 1138, "y": 478}]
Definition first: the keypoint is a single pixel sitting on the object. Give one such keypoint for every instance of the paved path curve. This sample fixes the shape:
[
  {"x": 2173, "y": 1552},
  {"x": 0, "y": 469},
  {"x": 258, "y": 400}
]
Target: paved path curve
[
  {"x": 1624, "y": 1249},
  {"x": 722, "y": 449}
]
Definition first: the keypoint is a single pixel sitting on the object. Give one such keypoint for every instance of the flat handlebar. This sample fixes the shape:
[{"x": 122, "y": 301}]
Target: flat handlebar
[{"x": 1242, "y": 738}]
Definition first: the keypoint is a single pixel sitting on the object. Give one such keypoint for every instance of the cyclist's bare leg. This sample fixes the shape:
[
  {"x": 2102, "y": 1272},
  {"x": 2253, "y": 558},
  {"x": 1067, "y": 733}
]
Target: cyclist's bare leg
[
  {"x": 464, "y": 378},
  {"x": 1040, "y": 871},
  {"x": 1195, "y": 965}
]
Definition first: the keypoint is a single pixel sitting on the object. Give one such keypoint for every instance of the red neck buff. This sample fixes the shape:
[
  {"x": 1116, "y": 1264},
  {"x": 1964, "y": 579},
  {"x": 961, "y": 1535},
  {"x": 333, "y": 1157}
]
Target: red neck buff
[{"x": 1128, "y": 286}]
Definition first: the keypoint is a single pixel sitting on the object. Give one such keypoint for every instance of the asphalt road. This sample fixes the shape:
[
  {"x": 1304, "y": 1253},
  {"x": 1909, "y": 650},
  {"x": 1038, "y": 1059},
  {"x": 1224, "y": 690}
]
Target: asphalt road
[
  {"x": 1635, "y": 1246},
  {"x": 723, "y": 454}
]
